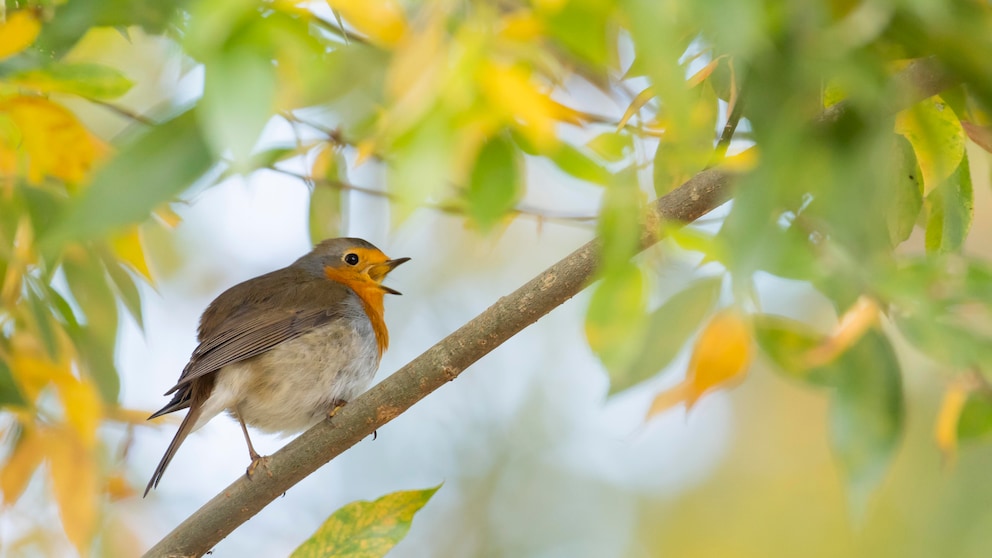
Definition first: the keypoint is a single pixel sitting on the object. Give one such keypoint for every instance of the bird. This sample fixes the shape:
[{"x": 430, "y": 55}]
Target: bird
[{"x": 282, "y": 351}]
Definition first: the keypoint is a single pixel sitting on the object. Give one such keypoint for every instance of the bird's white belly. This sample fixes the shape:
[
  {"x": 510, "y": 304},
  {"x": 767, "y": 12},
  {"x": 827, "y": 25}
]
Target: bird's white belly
[{"x": 295, "y": 385}]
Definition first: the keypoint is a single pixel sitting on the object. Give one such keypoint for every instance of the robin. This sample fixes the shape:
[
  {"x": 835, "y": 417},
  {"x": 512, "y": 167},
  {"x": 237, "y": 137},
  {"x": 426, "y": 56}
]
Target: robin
[{"x": 285, "y": 350}]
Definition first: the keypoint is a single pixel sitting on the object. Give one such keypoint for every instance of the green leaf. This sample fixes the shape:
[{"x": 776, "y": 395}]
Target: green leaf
[
  {"x": 938, "y": 139},
  {"x": 951, "y": 207},
  {"x": 976, "y": 417},
  {"x": 238, "y": 95},
  {"x": 93, "y": 81},
  {"x": 683, "y": 153},
  {"x": 145, "y": 173},
  {"x": 366, "y": 529},
  {"x": 495, "y": 182},
  {"x": 615, "y": 317},
  {"x": 866, "y": 415},
  {"x": 44, "y": 320},
  {"x": 907, "y": 192},
  {"x": 620, "y": 217},
  {"x": 10, "y": 394},
  {"x": 73, "y": 19},
  {"x": 612, "y": 147},
  {"x": 667, "y": 330},
  {"x": 582, "y": 28},
  {"x": 95, "y": 340},
  {"x": 787, "y": 343},
  {"x": 126, "y": 289},
  {"x": 579, "y": 165}
]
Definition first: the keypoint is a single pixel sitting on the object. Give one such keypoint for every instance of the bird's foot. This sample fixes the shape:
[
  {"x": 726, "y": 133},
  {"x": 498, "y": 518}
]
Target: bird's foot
[
  {"x": 257, "y": 460},
  {"x": 338, "y": 403}
]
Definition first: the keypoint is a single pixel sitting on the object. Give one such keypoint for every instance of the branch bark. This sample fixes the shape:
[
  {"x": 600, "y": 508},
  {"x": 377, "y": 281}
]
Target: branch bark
[{"x": 451, "y": 356}]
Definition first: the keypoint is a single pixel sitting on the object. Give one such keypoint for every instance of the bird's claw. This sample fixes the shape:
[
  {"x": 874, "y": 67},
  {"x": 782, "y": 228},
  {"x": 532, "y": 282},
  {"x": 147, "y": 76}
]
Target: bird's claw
[
  {"x": 338, "y": 403},
  {"x": 257, "y": 460}
]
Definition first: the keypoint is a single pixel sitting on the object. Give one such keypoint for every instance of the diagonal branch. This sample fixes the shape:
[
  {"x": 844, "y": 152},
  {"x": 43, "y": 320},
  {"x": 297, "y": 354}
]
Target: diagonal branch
[{"x": 451, "y": 356}]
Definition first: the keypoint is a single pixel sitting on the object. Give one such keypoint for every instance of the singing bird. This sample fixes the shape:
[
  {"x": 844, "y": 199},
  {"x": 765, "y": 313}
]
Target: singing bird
[{"x": 283, "y": 351}]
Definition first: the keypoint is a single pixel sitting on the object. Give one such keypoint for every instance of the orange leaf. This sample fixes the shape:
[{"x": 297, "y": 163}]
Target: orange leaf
[
  {"x": 52, "y": 142},
  {"x": 701, "y": 75},
  {"x": 75, "y": 485},
  {"x": 18, "y": 32},
  {"x": 127, "y": 247},
  {"x": 946, "y": 427},
  {"x": 720, "y": 357},
  {"x": 117, "y": 487},
  {"x": 858, "y": 319},
  {"x": 19, "y": 469},
  {"x": 382, "y": 21}
]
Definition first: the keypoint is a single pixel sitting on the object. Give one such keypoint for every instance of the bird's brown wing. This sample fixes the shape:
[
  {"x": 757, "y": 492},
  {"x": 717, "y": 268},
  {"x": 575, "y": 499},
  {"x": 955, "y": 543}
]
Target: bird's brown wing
[{"x": 255, "y": 316}]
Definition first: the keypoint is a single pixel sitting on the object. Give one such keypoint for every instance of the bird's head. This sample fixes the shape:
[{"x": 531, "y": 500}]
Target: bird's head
[{"x": 352, "y": 261}]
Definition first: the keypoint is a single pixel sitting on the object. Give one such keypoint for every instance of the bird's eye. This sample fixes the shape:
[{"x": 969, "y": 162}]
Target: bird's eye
[{"x": 351, "y": 259}]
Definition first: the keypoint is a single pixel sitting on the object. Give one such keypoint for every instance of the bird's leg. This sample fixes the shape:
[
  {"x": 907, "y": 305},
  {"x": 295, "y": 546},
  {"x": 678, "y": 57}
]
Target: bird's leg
[
  {"x": 256, "y": 459},
  {"x": 338, "y": 403}
]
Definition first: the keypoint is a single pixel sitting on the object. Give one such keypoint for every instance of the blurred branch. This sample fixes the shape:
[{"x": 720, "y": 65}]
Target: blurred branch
[{"x": 447, "y": 359}]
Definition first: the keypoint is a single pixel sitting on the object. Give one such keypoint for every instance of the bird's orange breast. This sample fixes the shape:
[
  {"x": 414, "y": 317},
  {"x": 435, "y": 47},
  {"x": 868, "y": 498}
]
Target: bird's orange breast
[{"x": 371, "y": 296}]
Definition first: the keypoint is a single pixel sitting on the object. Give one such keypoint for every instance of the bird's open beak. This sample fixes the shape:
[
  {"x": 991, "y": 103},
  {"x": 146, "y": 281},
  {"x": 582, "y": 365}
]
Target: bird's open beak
[{"x": 379, "y": 271}]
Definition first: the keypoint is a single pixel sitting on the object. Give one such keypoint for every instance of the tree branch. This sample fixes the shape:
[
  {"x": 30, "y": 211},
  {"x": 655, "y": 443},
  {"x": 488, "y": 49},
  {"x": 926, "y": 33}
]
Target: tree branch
[{"x": 451, "y": 356}]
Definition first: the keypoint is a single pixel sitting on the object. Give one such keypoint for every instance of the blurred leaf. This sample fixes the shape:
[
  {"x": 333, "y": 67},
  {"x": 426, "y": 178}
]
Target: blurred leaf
[
  {"x": 866, "y": 415},
  {"x": 17, "y": 33},
  {"x": 787, "y": 343},
  {"x": 615, "y": 316},
  {"x": 83, "y": 408},
  {"x": 513, "y": 93},
  {"x": 10, "y": 393},
  {"x": 238, "y": 96},
  {"x": 639, "y": 101},
  {"x": 620, "y": 218},
  {"x": 937, "y": 138},
  {"x": 907, "y": 192},
  {"x": 951, "y": 207},
  {"x": 128, "y": 249},
  {"x": 366, "y": 529},
  {"x": 93, "y": 81},
  {"x": 612, "y": 147},
  {"x": 52, "y": 142},
  {"x": 153, "y": 169},
  {"x": 949, "y": 416},
  {"x": 495, "y": 183},
  {"x": 88, "y": 282},
  {"x": 76, "y": 487},
  {"x": 127, "y": 291},
  {"x": 981, "y": 135},
  {"x": 720, "y": 357},
  {"x": 582, "y": 27},
  {"x": 858, "y": 319},
  {"x": 383, "y": 21},
  {"x": 975, "y": 417},
  {"x": 579, "y": 165},
  {"x": 24, "y": 460},
  {"x": 326, "y": 201},
  {"x": 43, "y": 320},
  {"x": 73, "y": 19},
  {"x": 667, "y": 330},
  {"x": 683, "y": 152}
]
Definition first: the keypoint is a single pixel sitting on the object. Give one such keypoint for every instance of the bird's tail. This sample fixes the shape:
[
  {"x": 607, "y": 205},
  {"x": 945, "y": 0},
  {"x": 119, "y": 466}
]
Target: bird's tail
[{"x": 195, "y": 403}]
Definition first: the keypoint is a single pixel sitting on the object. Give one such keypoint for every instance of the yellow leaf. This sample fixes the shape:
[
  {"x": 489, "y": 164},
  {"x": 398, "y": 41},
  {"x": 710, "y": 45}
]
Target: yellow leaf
[
  {"x": 382, "y": 21},
  {"x": 937, "y": 137},
  {"x": 117, "y": 487},
  {"x": 18, "y": 32},
  {"x": 639, "y": 101},
  {"x": 701, "y": 75},
  {"x": 52, "y": 142},
  {"x": 720, "y": 357},
  {"x": 75, "y": 484},
  {"x": 521, "y": 26},
  {"x": 511, "y": 90},
  {"x": 946, "y": 427},
  {"x": 165, "y": 215},
  {"x": 23, "y": 462},
  {"x": 858, "y": 319},
  {"x": 22, "y": 257},
  {"x": 136, "y": 417},
  {"x": 741, "y": 162},
  {"x": 83, "y": 409},
  {"x": 127, "y": 247},
  {"x": 31, "y": 367}
]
